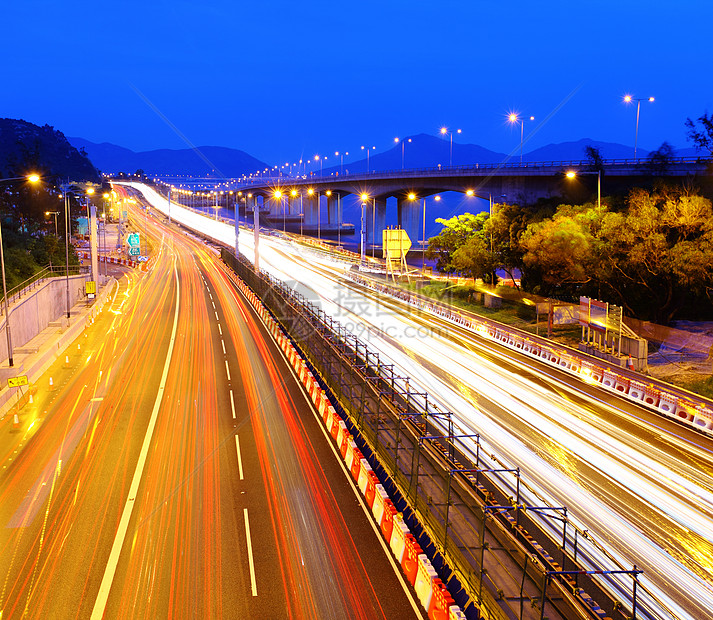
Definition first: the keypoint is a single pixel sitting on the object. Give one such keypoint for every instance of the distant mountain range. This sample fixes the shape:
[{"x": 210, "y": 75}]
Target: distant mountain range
[
  {"x": 26, "y": 147},
  {"x": 422, "y": 151},
  {"x": 204, "y": 161}
]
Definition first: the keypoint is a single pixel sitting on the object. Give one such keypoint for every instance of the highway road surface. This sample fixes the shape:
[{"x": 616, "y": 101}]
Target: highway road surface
[
  {"x": 640, "y": 485},
  {"x": 175, "y": 469}
]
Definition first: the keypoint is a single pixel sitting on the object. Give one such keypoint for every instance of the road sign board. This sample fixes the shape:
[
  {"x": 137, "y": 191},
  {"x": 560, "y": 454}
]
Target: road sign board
[
  {"x": 133, "y": 239},
  {"x": 17, "y": 381},
  {"x": 90, "y": 287},
  {"x": 134, "y": 251}
]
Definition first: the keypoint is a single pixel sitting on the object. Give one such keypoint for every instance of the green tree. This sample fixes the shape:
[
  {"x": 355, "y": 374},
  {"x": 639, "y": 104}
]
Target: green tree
[
  {"x": 475, "y": 258},
  {"x": 558, "y": 252},
  {"x": 701, "y": 132},
  {"x": 456, "y": 231},
  {"x": 594, "y": 157},
  {"x": 658, "y": 254},
  {"x": 661, "y": 159},
  {"x": 503, "y": 230}
]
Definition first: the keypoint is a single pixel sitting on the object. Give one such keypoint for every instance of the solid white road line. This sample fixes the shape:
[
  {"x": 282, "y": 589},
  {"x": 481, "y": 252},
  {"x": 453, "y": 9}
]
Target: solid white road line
[
  {"x": 250, "y": 553},
  {"x": 347, "y": 474},
  {"x": 110, "y": 571},
  {"x": 232, "y": 403},
  {"x": 240, "y": 460}
]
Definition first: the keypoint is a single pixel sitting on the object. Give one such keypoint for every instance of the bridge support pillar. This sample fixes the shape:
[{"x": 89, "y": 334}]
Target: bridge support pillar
[
  {"x": 333, "y": 205},
  {"x": 408, "y": 218},
  {"x": 250, "y": 202},
  {"x": 311, "y": 208},
  {"x": 375, "y": 221}
]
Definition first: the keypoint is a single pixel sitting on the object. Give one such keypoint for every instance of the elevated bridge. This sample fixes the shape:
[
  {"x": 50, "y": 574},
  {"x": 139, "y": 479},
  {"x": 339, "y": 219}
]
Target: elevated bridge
[{"x": 318, "y": 197}]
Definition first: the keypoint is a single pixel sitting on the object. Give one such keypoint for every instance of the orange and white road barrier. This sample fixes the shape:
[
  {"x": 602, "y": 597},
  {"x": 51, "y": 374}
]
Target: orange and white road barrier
[
  {"x": 424, "y": 581},
  {"x": 409, "y": 562}
]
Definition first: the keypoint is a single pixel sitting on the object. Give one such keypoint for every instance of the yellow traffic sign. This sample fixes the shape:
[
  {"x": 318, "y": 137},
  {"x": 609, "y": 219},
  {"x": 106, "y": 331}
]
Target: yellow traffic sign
[
  {"x": 90, "y": 287},
  {"x": 17, "y": 381},
  {"x": 396, "y": 243}
]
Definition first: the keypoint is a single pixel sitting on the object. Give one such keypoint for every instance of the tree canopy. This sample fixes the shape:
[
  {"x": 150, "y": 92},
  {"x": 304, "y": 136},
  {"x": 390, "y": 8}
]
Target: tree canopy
[
  {"x": 653, "y": 254},
  {"x": 701, "y": 132}
]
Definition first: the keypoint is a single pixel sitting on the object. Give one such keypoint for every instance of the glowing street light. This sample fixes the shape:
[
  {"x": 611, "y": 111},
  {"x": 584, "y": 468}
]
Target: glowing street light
[
  {"x": 367, "y": 156},
  {"x": 572, "y": 174},
  {"x": 341, "y": 161},
  {"x": 32, "y": 178},
  {"x": 403, "y": 144},
  {"x": 629, "y": 99},
  {"x": 278, "y": 196},
  {"x": 514, "y": 118},
  {"x": 445, "y": 132},
  {"x": 66, "y": 191},
  {"x": 364, "y": 198},
  {"x": 55, "y": 213}
]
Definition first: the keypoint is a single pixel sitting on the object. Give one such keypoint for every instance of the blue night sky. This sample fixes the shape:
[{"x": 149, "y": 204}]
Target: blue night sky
[{"x": 282, "y": 80}]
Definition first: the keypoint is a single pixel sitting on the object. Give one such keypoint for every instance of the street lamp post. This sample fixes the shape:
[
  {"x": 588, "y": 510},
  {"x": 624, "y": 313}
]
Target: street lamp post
[
  {"x": 55, "y": 213},
  {"x": 403, "y": 144},
  {"x": 571, "y": 174},
  {"x": 7, "y": 312},
  {"x": 364, "y": 198},
  {"x": 341, "y": 161},
  {"x": 445, "y": 132},
  {"x": 33, "y": 178},
  {"x": 514, "y": 118},
  {"x": 66, "y": 242},
  {"x": 629, "y": 99},
  {"x": 278, "y": 197},
  {"x": 67, "y": 191},
  {"x": 368, "y": 169}
]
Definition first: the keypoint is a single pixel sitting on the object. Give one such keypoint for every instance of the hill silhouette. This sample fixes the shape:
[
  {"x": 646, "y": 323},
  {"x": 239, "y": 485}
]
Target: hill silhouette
[
  {"x": 26, "y": 148},
  {"x": 204, "y": 161}
]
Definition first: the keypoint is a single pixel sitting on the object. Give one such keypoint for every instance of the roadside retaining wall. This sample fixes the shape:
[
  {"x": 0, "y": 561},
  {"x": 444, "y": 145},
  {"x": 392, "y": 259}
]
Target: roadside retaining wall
[{"x": 34, "y": 313}]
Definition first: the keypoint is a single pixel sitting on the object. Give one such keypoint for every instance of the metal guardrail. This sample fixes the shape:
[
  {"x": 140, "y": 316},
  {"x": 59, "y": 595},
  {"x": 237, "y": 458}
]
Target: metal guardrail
[
  {"x": 38, "y": 279},
  {"x": 516, "y": 556},
  {"x": 665, "y": 399}
]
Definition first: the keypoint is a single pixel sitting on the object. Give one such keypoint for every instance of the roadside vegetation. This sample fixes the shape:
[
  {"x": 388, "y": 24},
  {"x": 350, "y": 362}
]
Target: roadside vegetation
[
  {"x": 650, "y": 252},
  {"x": 28, "y": 235}
]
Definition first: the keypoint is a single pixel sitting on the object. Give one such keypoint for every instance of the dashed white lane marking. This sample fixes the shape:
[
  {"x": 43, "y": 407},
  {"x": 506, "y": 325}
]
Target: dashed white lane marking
[
  {"x": 217, "y": 318},
  {"x": 240, "y": 460},
  {"x": 232, "y": 403},
  {"x": 222, "y": 343},
  {"x": 250, "y": 554},
  {"x": 227, "y": 369},
  {"x": 220, "y": 329}
]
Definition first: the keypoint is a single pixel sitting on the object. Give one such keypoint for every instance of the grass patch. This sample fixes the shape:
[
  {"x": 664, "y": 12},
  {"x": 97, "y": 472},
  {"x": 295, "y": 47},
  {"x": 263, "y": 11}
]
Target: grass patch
[{"x": 703, "y": 387}]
